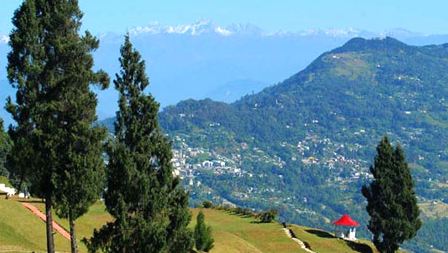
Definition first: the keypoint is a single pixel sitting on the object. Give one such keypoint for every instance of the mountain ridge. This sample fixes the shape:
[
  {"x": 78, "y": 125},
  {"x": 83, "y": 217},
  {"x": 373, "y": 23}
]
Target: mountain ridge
[{"x": 183, "y": 66}]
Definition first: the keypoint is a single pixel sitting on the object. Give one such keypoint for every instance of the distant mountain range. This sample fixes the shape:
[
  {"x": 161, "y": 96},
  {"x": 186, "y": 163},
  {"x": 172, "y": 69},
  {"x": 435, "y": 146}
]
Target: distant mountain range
[
  {"x": 319, "y": 128},
  {"x": 205, "y": 59}
]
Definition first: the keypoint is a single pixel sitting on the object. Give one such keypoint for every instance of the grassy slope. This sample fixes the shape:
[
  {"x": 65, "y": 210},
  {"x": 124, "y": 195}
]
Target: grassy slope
[
  {"x": 95, "y": 218},
  {"x": 324, "y": 242},
  {"x": 241, "y": 234},
  {"x": 20, "y": 231}
]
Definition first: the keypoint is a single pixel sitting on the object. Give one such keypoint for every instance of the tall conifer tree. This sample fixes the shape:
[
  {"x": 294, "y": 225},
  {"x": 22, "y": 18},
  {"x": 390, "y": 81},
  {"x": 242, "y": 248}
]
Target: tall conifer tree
[
  {"x": 149, "y": 207},
  {"x": 392, "y": 204},
  {"x": 203, "y": 238},
  {"x": 51, "y": 66}
]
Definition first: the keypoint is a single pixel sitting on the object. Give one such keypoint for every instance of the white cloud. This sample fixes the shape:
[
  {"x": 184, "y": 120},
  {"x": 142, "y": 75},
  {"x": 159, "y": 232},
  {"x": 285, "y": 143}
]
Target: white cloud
[
  {"x": 334, "y": 32},
  {"x": 4, "y": 39}
]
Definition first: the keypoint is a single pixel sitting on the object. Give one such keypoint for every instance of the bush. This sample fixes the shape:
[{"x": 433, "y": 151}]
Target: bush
[
  {"x": 207, "y": 204},
  {"x": 268, "y": 216}
]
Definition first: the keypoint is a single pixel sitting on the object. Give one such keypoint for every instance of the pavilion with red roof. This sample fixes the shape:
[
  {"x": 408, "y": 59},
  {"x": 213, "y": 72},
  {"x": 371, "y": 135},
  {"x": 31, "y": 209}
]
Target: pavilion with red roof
[{"x": 348, "y": 222}]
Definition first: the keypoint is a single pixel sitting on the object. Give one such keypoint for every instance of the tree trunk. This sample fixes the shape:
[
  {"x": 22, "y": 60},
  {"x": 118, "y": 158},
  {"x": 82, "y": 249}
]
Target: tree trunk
[
  {"x": 49, "y": 217},
  {"x": 73, "y": 242}
]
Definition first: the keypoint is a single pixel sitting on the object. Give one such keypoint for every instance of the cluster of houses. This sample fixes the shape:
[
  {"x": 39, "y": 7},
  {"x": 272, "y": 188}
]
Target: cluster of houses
[{"x": 186, "y": 169}]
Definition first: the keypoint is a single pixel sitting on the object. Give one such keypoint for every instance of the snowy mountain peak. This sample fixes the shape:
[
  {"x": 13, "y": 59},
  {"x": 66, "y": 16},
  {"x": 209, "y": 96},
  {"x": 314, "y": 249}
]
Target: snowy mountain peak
[
  {"x": 209, "y": 27},
  {"x": 197, "y": 28},
  {"x": 206, "y": 26}
]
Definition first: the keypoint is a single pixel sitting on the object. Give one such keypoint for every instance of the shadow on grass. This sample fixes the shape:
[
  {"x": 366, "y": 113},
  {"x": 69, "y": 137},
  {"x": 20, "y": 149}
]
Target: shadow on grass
[
  {"x": 355, "y": 246},
  {"x": 239, "y": 214},
  {"x": 360, "y": 247},
  {"x": 258, "y": 222},
  {"x": 31, "y": 201},
  {"x": 244, "y": 215},
  {"x": 320, "y": 233}
]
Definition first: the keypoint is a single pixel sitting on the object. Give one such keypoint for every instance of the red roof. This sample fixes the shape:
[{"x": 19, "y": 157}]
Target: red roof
[{"x": 346, "y": 221}]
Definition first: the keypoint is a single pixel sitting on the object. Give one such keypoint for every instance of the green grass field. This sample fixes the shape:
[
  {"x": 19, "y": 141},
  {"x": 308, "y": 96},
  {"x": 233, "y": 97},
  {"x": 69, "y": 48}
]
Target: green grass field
[
  {"x": 324, "y": 242},
  {"x": 235, "y": 233},
  {"x": 20, "y": 231},
  {"x": 95, "y": 218}
]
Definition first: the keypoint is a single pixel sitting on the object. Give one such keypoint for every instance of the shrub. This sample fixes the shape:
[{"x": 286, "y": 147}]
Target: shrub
[
  {"x": 207, "y": 204},
  {"x": 268, "y": 216}
]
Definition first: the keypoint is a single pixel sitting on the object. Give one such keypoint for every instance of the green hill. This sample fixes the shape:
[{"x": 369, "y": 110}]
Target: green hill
[
  {"x": 20, "y": 231},
  {"x": 318, "y": 130}
]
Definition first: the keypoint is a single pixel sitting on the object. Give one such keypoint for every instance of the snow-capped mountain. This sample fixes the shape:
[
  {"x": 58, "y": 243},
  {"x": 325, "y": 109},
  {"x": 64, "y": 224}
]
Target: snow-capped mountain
[
  {"x": 195, "y": 29},
  {"x": 202, "y": 27},
  {"x": 208, "y": 27}
]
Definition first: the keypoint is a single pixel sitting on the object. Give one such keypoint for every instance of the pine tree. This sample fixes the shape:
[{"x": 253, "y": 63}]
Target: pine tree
[
  {"x": 80, "y": 170},
  {"x": 392, "y": 203},
  {"x": 203, "y": 234},
  {"x": 149, "y": 207},
  {"x": 23, "y": 75},
  {"x": 56, "y": 148}
]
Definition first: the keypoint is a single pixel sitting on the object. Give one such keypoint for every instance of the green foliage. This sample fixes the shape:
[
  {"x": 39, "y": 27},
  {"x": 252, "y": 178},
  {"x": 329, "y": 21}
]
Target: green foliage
[
  {"x": 203, "y": 234},
  {"x": 5, "y": 147},
  {"x": 354, "y": 95},
  {"x": 431, "y": 230},
  {"x": 207, "y": 204},
  {"x": 392, "y": 204},
  {"x": 23, "y": 74},
  {"x": 56, "y": 150},
  {"x": 149, "y": 207},
  {"x": 267, "y": 216}
]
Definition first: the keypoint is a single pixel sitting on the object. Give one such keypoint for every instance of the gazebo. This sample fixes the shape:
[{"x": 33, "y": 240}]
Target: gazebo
[{"x": 348, "y": 222}]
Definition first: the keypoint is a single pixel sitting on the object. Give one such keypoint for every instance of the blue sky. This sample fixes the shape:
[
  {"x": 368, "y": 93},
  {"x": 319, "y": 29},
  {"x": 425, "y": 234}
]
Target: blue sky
[{"x": 272, "y": 15}]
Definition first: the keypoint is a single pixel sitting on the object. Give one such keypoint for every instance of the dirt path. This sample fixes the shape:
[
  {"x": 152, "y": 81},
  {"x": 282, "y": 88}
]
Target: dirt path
[
  {"x": 299, "y": 242},
  {"x": 39, "y": 214}
]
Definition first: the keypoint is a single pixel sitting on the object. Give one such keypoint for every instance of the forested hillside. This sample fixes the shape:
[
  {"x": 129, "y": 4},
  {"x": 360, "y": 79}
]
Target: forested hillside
[{"x": 304, "y": 146}]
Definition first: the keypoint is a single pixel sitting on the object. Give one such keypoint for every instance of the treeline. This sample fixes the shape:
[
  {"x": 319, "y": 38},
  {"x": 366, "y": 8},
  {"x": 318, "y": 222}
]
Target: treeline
[{"x": 263, "y": 216}]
